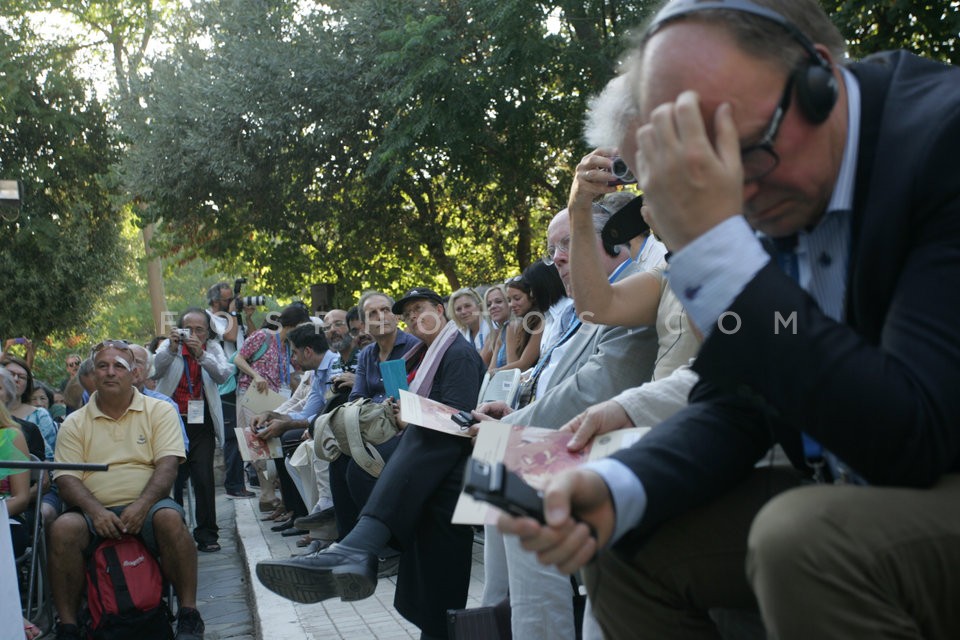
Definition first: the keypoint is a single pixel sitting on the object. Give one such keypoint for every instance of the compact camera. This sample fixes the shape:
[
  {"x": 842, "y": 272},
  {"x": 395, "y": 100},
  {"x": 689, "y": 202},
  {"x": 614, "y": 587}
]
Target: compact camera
[
  {"x": 621, "y": 173},
  {"x": 183, "y": 333},
  {"x": 251, "y": 301},
  {"x": 495, "y": 484}
]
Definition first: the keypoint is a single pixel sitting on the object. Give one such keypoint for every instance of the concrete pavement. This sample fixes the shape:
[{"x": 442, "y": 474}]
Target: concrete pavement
[{"x": 234, "y": 604}]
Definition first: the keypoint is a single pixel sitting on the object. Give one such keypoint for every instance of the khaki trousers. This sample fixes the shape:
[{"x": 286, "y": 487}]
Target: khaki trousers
[{"x": 824, "y": 562}]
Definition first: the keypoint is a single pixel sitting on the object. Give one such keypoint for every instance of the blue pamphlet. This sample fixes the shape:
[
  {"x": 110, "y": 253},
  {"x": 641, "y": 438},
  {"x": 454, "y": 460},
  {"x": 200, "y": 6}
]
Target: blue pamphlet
[{"x": 394, "y": 374}]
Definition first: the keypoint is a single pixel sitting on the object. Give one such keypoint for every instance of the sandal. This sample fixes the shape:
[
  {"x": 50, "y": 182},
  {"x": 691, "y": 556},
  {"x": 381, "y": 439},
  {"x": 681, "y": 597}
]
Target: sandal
[
  {"x": 273, "y": 515},
  {"x": 208, "y": 547},
  {"x": 304, "y": 541},
  {"x": 30, "y": 630}
]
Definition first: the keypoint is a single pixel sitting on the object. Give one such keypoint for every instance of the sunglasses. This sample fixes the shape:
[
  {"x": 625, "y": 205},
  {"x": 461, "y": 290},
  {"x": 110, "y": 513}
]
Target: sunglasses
[{"x": 121, "y": 345}]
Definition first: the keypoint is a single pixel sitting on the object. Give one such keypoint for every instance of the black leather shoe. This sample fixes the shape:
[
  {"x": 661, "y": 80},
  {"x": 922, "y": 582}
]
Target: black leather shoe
[
  {"x": 340, "y": 571},
  {"x": 289, "y": 533},
  {"x": 316, "y": 520},
  {"x": 283, "y": 525}
]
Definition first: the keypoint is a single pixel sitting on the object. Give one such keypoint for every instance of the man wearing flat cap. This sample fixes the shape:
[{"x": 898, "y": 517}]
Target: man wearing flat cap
[{"x": 412, "y": 502}]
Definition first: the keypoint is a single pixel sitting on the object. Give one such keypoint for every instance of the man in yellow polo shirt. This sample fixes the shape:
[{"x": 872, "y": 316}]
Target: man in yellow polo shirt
[{"x": 140, "y": 439}]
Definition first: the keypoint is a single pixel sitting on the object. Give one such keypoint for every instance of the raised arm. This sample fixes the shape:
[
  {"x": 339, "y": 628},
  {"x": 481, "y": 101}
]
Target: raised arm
[{"x": 632, "y": 301}]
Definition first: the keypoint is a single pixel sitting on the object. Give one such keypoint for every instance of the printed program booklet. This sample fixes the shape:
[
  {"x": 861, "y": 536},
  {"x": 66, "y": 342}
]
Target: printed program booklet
[
  {"x": 535, "y": 454},
  {"x": 429, "y": 414},
  {"x": 252, "y": 404}
]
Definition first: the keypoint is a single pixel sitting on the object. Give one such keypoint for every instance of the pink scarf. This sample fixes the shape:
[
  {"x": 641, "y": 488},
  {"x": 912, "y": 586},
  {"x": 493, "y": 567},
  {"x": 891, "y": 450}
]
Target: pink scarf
[{"x": 423, "y": 381}]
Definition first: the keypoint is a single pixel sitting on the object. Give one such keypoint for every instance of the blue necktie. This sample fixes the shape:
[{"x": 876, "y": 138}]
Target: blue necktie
[{"x": 813, "y": 451}]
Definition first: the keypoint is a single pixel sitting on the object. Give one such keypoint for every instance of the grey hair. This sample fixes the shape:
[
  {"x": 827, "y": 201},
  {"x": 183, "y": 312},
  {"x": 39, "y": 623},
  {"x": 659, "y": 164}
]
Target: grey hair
[
  {"x": 9, "y": 385},
  {"x": 604, "y": 208},
  {"x": 609, "y": 114},
  {"x": 762, "y": 38},
  {"x": 86, "y": 367},
  {"x": 213, "y": 293},
  {"x": 366, "y": 296}
]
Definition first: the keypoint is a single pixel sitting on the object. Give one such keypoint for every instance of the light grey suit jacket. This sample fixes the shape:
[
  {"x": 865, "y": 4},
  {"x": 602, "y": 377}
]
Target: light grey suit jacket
[{"x": 600, "y": 362}]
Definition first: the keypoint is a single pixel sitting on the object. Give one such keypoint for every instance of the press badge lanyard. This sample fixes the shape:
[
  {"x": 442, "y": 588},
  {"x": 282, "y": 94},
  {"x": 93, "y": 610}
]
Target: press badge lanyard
[{"x": 194, "y": 405}]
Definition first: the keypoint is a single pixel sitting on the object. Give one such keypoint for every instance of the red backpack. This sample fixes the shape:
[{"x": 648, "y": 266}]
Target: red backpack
[{"x": 124, "y": 592}]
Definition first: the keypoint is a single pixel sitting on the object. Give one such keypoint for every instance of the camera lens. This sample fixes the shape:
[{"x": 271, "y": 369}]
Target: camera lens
[{"x": 622, "y": 171}]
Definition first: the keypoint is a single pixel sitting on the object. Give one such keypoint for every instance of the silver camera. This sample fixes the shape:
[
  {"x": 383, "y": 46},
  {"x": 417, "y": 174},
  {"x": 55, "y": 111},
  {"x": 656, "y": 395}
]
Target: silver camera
[
  {"x": 621, "y": 173},
  {"x": 183, "y": 333}
]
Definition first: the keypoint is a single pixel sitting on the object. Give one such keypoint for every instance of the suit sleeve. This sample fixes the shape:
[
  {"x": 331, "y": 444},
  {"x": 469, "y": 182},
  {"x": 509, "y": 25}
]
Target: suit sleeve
[{"x": 623, "y": 358}]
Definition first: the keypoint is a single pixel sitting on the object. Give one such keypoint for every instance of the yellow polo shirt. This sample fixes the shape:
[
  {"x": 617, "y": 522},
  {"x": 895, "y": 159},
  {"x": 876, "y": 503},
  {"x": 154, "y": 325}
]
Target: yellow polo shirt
[{"x": 148, "y": 430}]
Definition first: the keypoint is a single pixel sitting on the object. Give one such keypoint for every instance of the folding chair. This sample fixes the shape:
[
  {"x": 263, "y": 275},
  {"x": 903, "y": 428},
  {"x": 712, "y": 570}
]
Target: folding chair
[{"x": 32, "y": 564}]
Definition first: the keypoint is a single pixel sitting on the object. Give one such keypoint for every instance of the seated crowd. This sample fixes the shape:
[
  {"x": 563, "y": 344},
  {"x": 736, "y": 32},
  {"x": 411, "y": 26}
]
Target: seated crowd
[{"x": 754, "y": 345}]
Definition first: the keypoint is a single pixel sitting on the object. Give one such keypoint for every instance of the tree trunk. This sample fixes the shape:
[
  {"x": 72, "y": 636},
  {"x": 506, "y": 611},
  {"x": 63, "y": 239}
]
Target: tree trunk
[{"x": 158, "y": 301}]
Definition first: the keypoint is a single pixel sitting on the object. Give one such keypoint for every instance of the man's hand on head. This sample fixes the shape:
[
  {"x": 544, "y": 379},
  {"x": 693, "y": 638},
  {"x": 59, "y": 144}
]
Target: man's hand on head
[{"x": 690, "y": 183}]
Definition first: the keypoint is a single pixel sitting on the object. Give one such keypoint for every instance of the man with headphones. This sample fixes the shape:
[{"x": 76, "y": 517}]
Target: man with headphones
[{"x": 813, "y": 212}]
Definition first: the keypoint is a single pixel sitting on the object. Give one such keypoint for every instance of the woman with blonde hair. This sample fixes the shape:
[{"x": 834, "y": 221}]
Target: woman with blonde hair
[
  {"x": 495, "y": 307},
  {"x": 466, "y": 310}
]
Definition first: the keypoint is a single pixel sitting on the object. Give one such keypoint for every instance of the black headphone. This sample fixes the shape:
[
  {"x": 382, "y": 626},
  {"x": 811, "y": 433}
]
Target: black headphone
[{"x": 814, "y": 80}]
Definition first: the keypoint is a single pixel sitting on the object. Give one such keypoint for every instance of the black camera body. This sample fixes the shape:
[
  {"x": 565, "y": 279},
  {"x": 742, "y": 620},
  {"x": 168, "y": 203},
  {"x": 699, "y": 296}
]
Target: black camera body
[
  {"x": 246, "y": 301},
  {"x": 495, "y": 484}
]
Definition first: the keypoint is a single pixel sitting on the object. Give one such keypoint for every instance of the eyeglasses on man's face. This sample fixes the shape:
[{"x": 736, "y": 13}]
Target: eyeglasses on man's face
[
  {"x": 553, "y": 250},
  {"x": 759, "y": 159},
  {"x": 336, "y": 324}
]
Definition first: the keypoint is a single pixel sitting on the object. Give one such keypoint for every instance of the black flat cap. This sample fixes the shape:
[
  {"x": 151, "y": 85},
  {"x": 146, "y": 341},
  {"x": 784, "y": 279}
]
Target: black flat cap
[{"x": 417, "y": 293}]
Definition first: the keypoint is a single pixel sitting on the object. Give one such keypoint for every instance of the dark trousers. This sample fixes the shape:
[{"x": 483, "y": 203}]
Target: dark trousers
[
  {"x": 292, "y": 501},
  {"x": 199, "y": 468},
  {"x": 351, "y": 486},
  {"x": 414, "y": 497},
  {"x": 233, "y": 480}
]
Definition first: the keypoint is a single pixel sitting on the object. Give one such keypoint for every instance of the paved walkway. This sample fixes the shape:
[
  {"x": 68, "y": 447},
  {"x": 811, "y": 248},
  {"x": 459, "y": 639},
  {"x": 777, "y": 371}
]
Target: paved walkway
[
  {"x": 223, "y": 590},
  {"x": 235, "y": 605},
  {"x": 278, "y": 618}
]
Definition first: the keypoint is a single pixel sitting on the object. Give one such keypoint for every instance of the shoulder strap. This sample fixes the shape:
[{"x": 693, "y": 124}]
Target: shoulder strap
[
  {"x": 121, "y": 589},
  {"x": 262, "y": 350}
]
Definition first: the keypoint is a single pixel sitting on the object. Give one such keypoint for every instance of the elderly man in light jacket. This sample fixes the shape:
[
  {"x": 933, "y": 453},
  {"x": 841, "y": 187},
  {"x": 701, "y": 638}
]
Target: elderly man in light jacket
[{"x": 189, "y": 366}]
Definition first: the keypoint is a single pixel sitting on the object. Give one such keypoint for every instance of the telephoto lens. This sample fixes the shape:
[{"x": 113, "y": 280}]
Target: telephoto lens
[{"x": 251, "y": 301}]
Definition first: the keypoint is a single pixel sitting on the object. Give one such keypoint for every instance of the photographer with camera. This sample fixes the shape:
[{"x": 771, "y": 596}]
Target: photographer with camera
[
  {"x": 189, "y": 367},
  {"x": 230, "y": 333}
]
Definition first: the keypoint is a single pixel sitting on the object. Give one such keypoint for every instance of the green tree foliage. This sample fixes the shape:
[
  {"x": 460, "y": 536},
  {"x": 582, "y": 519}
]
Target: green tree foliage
[
  {"x": 929, "y": 28},
  {"x": 64, "y": 248},
  {"x": 369, "y": 142}
]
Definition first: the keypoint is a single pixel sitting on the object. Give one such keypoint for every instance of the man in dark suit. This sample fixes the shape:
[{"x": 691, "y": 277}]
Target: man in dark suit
[{"x": 849, "y": 338}]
